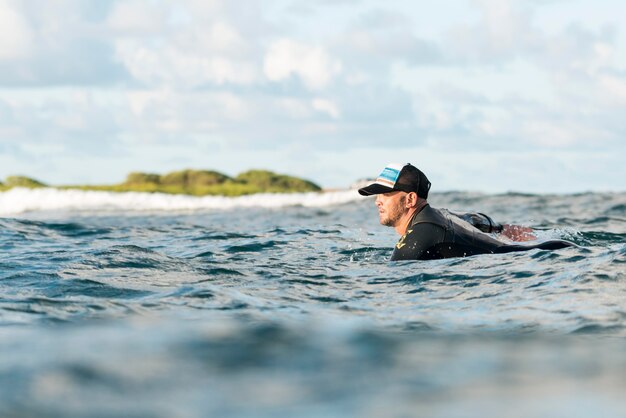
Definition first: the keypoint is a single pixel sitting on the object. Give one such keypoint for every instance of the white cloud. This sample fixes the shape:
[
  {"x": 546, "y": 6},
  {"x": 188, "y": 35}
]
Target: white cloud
[
  {"x": 224, "y": 37},
  {"x": 326, "y": 106},
  {"x": 502, "y": 32},
  {"x": 180, "y": 67},
  {"x": 186, "y": 45},
  {"x": 613, "y": 89},
  {"x": 16, "y": 39},
  {"x": 137, "y": 18},
  {"x": 55, "y": 43},
  {"x": 312, "y": 64}
]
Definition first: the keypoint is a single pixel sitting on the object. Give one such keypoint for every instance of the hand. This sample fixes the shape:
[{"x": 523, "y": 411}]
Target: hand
[{"x": 518, "y": 233}]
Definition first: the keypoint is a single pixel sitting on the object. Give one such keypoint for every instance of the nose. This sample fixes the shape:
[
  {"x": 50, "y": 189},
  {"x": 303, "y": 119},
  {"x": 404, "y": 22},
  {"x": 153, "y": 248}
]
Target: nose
[{"x": 378, "y": 201}]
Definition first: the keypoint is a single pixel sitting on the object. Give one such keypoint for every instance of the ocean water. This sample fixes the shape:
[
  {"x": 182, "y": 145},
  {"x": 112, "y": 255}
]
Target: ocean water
[{"x": 139, "y": 305}]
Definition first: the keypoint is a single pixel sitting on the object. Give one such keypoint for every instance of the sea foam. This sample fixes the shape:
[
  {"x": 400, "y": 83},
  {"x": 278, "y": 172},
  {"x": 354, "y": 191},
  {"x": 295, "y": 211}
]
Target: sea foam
[{"x": 22, "y": 200}]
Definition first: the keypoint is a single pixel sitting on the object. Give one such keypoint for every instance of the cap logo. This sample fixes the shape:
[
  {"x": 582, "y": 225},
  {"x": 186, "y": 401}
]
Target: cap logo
[{"x": 389, "y": 176}]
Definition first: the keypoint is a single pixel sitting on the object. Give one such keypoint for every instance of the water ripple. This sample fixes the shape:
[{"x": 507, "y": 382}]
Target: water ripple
[{"x": 291, "y": 311}]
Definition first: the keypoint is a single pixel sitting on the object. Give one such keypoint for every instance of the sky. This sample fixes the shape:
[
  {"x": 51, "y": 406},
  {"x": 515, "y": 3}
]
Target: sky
[{"x": 483, "y": 95}]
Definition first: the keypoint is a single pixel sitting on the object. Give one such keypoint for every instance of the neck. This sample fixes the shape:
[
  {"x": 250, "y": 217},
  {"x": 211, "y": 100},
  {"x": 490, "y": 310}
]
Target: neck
[{"x": 403, "y": 223}]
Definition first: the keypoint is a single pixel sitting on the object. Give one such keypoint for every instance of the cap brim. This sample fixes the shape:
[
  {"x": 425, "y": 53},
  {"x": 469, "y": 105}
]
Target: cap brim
[{"x": 374, "y": 188}]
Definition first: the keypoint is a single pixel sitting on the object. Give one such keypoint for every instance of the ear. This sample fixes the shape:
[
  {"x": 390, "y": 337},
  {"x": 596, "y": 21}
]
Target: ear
[{"x": 411, "y": 200}]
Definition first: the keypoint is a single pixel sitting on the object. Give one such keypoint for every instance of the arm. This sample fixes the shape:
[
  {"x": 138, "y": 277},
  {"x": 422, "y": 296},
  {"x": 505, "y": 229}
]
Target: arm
[
  {"x": 480, "y": 221},
  {"x": 518, "y": 233},
  {"x": 485, "y": 224}
]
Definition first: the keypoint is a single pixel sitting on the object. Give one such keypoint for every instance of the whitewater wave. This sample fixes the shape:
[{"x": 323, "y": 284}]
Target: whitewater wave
[{"x": 21, "y": 200}]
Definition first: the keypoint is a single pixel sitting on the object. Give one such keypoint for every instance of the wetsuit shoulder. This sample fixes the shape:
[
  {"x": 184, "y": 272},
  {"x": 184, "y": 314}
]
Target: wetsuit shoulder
[
  {"x": 419, "y": 239},
  {"x": 428, "y": 229}
]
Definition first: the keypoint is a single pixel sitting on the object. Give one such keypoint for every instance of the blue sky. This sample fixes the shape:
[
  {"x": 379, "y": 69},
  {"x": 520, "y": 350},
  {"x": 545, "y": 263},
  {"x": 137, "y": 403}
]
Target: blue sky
[{"x": 484, "y": 95}]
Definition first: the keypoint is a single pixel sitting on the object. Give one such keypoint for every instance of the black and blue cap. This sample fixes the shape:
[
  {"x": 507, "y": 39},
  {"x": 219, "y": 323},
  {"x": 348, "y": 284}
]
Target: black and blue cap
[{"x": 401, "y": 177}]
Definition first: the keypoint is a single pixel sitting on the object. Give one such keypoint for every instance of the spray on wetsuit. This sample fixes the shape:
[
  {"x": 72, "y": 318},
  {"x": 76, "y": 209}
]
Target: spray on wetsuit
[{"x": 437, "y": 233}]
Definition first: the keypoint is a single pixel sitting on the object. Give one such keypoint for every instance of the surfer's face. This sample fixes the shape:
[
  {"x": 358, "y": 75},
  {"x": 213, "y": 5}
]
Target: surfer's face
[{"x": 391, "y": 206}]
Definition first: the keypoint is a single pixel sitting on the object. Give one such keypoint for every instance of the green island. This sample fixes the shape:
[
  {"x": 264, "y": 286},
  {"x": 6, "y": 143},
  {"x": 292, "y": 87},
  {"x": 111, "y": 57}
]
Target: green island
[{"x": 191, "y": 182}]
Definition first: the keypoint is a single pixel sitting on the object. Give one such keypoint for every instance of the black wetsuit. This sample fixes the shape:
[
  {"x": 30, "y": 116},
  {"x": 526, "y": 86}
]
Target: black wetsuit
[{"x": 437, "y": 233}]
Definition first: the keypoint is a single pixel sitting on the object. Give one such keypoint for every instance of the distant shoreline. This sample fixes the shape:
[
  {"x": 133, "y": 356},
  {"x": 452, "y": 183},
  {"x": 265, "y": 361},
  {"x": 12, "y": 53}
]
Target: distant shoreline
[{"x": 187, "y": 182}]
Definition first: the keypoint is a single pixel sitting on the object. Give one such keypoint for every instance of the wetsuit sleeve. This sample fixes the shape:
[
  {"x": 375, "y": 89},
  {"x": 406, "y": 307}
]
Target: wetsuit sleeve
[
  {"x": 418, "y": 241},
  {"x": 480, "y": 221}
]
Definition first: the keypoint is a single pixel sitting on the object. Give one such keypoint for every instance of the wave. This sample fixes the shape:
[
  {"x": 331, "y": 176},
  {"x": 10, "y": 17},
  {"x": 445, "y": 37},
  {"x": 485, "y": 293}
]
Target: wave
[{"x": 21, "y": 200}]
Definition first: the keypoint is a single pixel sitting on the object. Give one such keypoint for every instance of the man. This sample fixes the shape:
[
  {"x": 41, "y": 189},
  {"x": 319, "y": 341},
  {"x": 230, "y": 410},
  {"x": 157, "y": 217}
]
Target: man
[{"x": 428, "y": 233}]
